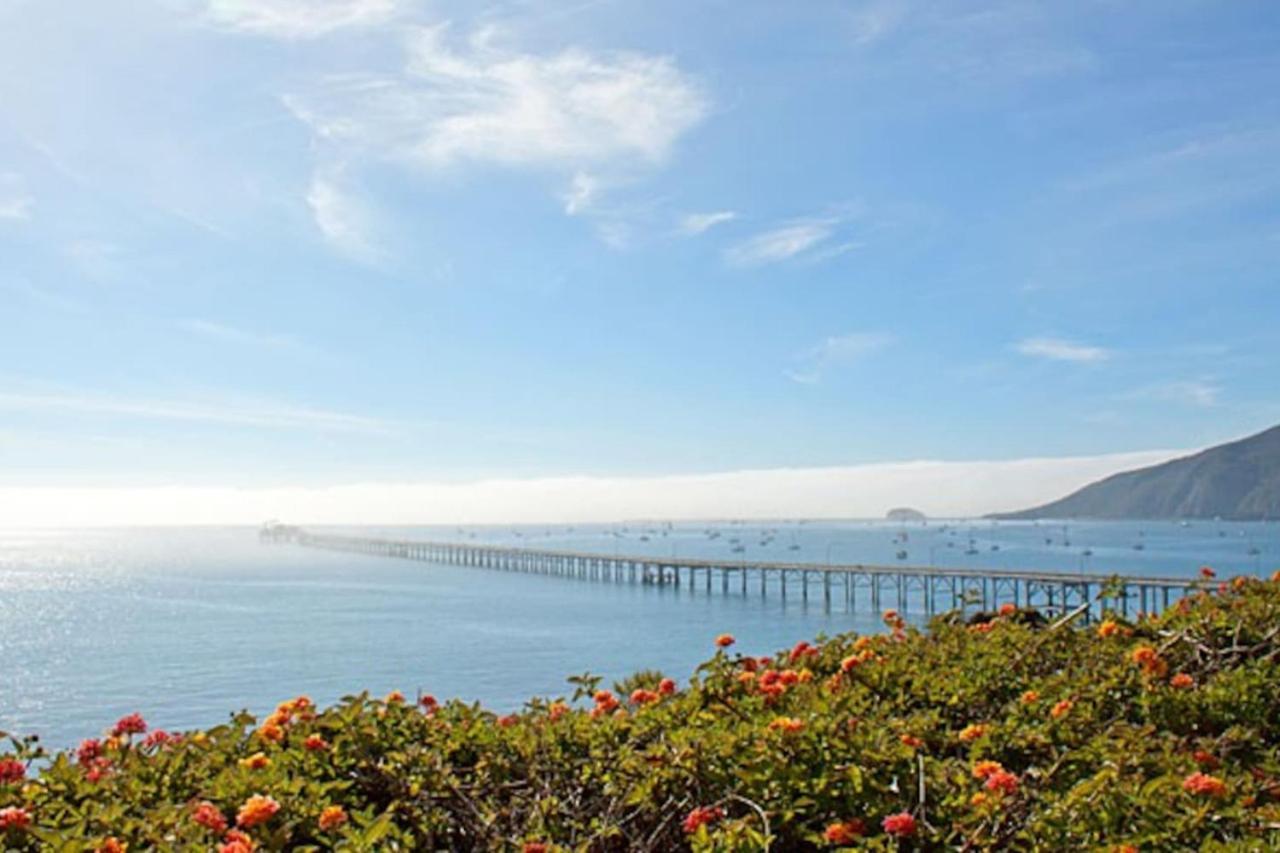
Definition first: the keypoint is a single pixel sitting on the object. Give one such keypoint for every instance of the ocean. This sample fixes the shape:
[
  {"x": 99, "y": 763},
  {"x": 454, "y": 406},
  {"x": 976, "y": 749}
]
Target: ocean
[{"x": 187, "y": 625}]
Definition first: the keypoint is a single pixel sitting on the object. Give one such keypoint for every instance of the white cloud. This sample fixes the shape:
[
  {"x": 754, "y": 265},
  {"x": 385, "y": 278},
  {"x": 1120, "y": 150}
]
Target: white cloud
[
  {"x": 837, "y": 351},
  {"x": 477, "y": 103},
  {"x": 341, "y": 217},
  {"x": 698, "y": 223},
  {"x": 298, "y": 19},
  {"x": 941, "y": 489},
  {"x": 15, "y": 203},
  {"x": 583, "y": 190},
  {"x": 1058, "y": 349},
  {"x": 232, "y": 413},
  {"x": 780, "y": 244}
]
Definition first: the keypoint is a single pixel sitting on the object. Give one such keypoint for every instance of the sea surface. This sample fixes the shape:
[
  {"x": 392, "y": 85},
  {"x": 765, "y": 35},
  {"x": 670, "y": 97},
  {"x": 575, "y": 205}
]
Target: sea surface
[{"x": 187, "y": 625}]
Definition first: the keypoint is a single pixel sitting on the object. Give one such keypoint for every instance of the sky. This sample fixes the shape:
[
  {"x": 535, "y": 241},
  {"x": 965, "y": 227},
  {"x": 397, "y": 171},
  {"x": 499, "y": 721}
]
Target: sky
[{"x": 444, "y": 260}]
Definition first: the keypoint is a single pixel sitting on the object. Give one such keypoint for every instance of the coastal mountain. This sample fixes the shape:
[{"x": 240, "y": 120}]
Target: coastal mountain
[{"x": 1239, "y": 480}]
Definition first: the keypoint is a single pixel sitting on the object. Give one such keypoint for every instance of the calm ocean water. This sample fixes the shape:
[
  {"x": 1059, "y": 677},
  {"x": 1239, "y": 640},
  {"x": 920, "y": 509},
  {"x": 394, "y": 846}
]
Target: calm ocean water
[{"x": 188, "y": 624}]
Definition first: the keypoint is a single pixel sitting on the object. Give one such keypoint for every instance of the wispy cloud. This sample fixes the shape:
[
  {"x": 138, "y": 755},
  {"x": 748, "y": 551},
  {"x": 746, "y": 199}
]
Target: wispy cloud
[
  {"x": 1058, "y": 349},
  {"x": 837, "y": 351},
  {"x": 239, "y": 337},
  {"x": 781, "y": 243},
  {"x": 583, "y": 189},
  {"x": 342, "y": 218},
  {"x": 15, "y": 203},
  {"x": 298, "y": 19},
  {"x": 693, "y": 224},
  {"x": 471, "y": 102},
  {"x": 245, "y": 414},
  {"x": 1188, "y": 392}
]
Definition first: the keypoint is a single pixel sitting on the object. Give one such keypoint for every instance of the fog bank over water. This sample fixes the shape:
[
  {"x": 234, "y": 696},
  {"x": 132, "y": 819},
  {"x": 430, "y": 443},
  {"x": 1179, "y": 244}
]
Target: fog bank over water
[{"x": 948, "y": 489}]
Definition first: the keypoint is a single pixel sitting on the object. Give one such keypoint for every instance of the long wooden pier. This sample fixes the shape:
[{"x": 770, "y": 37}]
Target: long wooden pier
[{"x": 906, "y": 588}]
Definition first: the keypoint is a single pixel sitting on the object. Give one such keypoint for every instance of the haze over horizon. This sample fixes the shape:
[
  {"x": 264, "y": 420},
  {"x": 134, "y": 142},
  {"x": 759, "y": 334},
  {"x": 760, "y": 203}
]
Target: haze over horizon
[{"x": 370, "y": 260}]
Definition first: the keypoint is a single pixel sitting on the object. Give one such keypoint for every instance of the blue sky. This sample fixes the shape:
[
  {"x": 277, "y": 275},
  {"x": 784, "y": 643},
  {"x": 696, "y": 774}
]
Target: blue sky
[{"x": 288, "y": 243}]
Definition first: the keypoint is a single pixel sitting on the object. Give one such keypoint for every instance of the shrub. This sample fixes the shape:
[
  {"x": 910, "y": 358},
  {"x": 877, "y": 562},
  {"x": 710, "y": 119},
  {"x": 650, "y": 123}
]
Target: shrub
[{"x": 1160, "y": 734}]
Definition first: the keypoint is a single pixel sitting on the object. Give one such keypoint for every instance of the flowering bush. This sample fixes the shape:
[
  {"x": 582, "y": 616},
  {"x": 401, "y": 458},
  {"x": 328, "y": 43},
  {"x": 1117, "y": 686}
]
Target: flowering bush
[{"x": 1154, "y": 734}]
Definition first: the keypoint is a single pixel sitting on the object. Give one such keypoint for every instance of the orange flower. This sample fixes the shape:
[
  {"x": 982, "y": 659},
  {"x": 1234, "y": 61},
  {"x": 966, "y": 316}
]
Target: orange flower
[
  {"x": 1008, "y": 609},
  {"x": 236, "y": 841},
  {"x": 746, "y": 678},
  {"x": 1182, "y": 681},
  {"x": 789, "y": 725},
  {"x": 1204, "y": 785},
  {"x": 257, "y": 809},
  {"x": 911, "y": 741},
  {"x": 1275, "y": 576},
  {"x": 901, "y": 825},
  {"x": 332, "y": 818},
  {"x": 395, "y": 697},
  {"x": 272, "y": 732},
  {"x": 845, "y": 832},
  {"x": 1002, "y": 781},
  {"x": 985, "y": 769},
  {"x": 1124, "y": 848},
  {"x": 1205, "y": 759},
  {"x": 1061, "y": 709},
  {"x": 557, "y": 710},
  {"x": 701, "y": 816},
  {"x": 605, "y": 700},
  {"x": 257, "y": 761},
  {"x": 850, "y": 663},
  {"x": 535, "y": 847},
  {"x": 111, "y": 845},
  {"x": 1108, "y": 628},
  {"x": 209, "y": 816},
  {"x": 972, "y": 732},
  {"x": 979, "y": 799},
  {"x": 862, "y": 643},
  {"x": 1030, "y": 697},
  {"x": 982, "y": 628},
  {"x": 14, "y": 817},
  {"x": 315, "y": 743},
  {"x": 1150, "y": 661},
  {"x": 724, "y": 641},
  {"x": 644, "y": 697}
]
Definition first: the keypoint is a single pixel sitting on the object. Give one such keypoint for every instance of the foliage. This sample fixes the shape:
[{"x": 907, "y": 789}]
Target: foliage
[{"x": 1161, "y": 733}]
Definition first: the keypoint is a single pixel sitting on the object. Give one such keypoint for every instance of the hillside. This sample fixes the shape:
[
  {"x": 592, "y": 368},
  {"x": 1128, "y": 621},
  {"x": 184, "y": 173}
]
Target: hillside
[{"x": 1239, "y": 480}]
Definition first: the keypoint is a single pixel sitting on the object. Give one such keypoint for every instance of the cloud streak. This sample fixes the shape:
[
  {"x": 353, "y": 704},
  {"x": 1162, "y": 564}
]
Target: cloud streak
[
  {"x": 298, "y": 19},
  {"x": 693, "y": 224},
  {"x": 259, "y": 415},
  {"x": 837, "y": 351},
  {"x": 1058, "y": 349},
  {"x": 781, "y": 243}
]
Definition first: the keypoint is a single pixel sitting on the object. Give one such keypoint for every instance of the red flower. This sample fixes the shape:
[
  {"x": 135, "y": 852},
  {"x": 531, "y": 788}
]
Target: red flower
[
  {"x": 1008, "y": 609},
  {"x": 911, "y": 741},
  {"x": 14, "y": 817},
  {"x": 535, "y": 847},
  {"x": 428, "y": 703},
  {"x": 157, "y": 739},
  {"x": 133, "y": 724},
  {"x": 845, "y": 832},
  {"x": 1204, "y": 785},
  {"x": 789, "y": 725},
  {"x": 666, "y": 687},
  {"x": 1207, "y": 573},
  {"x": 644, "y": 697},
  {"x": 507, "y": 721},
  {"x": 209, "y": 816},
  {"x": 11, "y": 770},
  {"x": 236, "y": 841},
  {"x": 1061, "y": 709},
  {"x": 1182, "y": 681},
  {"x": 724, "y": 641},
  {"x": 702, "y": 816},
  {"x": 315, "y": 743},
  {"x": 88, "y": 750},
  {"x": 1002, "y": 781},
  {"x": 901, "y": 825},
  {"x": 799, "y": 650},
  {"x": 332, "y": 818}
]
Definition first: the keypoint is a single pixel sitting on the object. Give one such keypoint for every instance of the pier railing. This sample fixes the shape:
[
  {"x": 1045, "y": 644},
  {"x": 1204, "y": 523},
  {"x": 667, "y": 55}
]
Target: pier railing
[{"x": 925, "y": 589}]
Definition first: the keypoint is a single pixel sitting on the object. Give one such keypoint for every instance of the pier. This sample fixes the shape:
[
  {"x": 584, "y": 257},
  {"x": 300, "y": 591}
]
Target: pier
[{"x": 909, "y": 589}]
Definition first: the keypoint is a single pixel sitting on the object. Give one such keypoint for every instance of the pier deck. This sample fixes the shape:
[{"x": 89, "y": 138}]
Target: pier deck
[{"x": 925, "y": 589}]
